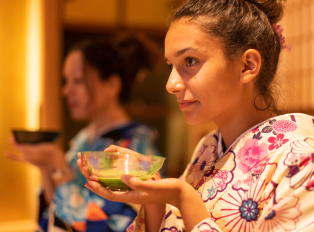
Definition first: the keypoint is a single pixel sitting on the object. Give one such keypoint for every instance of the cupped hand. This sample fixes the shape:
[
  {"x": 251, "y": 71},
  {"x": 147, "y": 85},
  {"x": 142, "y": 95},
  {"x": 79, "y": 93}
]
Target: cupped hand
[
  {"x": 163, "y": 191},
  {"x": 41, "y": 155},
  {"x": 153, "y": 191}
]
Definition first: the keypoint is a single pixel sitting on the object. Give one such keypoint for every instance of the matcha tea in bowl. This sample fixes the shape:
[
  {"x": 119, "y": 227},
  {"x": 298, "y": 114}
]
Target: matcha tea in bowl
[{"x": 110, "y": 166}]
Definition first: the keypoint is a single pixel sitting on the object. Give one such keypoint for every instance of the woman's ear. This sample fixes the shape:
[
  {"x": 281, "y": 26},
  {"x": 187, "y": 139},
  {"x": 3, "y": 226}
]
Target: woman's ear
[
  {"x": 114, "y": 83},
  {"x": 251, "y": 60}
]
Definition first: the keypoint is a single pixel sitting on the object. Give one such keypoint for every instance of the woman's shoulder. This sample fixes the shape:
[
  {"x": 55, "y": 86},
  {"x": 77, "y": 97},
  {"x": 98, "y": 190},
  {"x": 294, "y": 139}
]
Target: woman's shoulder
[
  {"x": 277, "y": 132},
  {"x": 290, "y": 125},
  {"x": 298, "y": 118},
  {"x": 79, "y": 137}
]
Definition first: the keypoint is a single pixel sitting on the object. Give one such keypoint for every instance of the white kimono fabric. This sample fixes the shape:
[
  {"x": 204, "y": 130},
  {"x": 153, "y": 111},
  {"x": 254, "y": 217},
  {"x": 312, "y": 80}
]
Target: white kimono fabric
[{"x": 263, "y": 182}]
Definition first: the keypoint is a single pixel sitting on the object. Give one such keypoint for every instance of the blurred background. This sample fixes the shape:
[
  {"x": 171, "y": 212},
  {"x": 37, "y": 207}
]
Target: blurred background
[{"x": 35, "y": 35}]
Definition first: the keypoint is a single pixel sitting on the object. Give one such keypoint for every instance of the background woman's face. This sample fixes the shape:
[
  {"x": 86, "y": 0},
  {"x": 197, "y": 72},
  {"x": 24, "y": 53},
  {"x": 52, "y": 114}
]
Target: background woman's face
[
  {"x": 87, "y": 95},
  {"x": 75, "y": 89},
  {"x": 204, "y": 81}
]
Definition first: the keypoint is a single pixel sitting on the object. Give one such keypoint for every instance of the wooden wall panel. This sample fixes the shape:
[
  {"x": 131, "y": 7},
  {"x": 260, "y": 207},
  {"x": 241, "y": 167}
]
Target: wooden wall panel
[
  {"x": 13, "y": 202},
  {"x": 299, "y": 32}
]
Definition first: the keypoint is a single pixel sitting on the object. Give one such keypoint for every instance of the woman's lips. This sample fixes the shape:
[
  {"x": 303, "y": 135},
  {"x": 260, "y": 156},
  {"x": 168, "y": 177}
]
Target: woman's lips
[
  {"x": 185, "y": 104},
  {"x": 72, "y": 105}
]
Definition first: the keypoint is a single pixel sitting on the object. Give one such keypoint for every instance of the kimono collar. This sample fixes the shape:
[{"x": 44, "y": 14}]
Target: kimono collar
[
  {"x": 221, "y": 149},
  {"x": 95, "y": 132}
]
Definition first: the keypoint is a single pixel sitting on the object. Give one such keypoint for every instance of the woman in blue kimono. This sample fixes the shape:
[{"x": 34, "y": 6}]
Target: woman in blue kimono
[{"x": 98, "y": 79}]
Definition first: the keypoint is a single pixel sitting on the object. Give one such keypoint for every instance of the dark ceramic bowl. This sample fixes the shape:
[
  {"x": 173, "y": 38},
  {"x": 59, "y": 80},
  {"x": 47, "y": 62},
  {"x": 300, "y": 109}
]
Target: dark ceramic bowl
[{"x": 33, "y": 137}]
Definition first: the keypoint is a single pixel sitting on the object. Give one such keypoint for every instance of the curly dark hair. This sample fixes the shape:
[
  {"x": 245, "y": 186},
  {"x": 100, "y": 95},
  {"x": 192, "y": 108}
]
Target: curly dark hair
[
  {"x": 242, "y": 25},
  {"x": 123, "y": 55}
]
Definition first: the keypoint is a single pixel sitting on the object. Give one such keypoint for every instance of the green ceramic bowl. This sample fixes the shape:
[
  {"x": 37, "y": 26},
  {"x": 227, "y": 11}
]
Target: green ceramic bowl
[{"x": 110, "y": 166}]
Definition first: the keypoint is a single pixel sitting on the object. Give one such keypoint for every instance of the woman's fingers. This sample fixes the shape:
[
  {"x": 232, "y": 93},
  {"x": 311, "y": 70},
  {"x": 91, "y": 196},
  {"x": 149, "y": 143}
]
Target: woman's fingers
[
  {"x": 11, "y": 140},
  {"x": 140, "y": 185},
  {"x": 133, "y": 196},
  {"x": 114, "y": 148},
  {"x": 14, "y": 156},
  {"x": 157, "y": 176},
  {"x": 83, "y": 168},
  {"x": 81, "y": 163},
  {"x": 94, "y": 178},
  {"x": 103, "y": 192}
]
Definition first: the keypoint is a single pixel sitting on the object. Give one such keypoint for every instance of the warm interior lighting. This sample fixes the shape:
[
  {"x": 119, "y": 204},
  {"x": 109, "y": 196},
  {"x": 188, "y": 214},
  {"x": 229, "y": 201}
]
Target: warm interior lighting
[
  {"x": 34, "y": 64},
  {"x": 34, "y": 35}
]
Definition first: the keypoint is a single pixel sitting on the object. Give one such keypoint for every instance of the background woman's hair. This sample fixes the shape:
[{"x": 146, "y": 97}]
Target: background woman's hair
[
  {"x": 123, "y": 55},
  {"x": 241, "y": 25}
]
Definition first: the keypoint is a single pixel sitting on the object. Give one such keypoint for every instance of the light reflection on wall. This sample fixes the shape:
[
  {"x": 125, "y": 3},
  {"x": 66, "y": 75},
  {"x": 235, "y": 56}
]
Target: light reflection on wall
[
  {"x": 34, "y": 65},
  {"x": 34, "y": 56}
]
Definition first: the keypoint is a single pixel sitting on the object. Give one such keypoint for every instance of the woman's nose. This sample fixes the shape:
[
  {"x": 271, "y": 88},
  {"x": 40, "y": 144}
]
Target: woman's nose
[
  {"x": 175, "y": 83},
  {"x": 66, "y": 89}
]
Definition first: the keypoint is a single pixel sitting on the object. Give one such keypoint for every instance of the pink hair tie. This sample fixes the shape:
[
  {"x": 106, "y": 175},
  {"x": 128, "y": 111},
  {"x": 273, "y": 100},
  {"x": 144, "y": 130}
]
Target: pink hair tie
[{"x": 279, "y": 30}]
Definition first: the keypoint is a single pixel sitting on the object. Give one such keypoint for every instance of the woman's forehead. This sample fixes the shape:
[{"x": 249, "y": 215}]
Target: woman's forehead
[
  {"x": 183, "y": 36},
  {"x": 74, "y": 64}
]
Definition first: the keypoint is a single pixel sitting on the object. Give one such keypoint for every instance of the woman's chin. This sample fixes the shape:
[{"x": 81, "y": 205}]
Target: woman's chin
[
  {"x": 193, "y": 119},
  {"x": 79, "y": 116}
]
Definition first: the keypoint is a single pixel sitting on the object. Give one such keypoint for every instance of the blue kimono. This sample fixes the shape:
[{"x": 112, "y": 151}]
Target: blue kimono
[{"x": 76, "y": 208}]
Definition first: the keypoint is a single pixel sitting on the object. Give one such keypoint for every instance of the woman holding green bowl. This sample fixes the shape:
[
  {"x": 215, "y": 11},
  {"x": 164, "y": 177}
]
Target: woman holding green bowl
[{"x": 256, "y": 171}]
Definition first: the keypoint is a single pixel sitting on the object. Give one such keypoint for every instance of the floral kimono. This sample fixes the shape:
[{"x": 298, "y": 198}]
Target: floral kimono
[
  {"x": 76, "y": 208},
  {"x": 263, "y": 182}
]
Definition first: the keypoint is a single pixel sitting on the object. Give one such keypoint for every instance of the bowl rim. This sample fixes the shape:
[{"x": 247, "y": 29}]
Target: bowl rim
[{"x": 121, "y": 153}]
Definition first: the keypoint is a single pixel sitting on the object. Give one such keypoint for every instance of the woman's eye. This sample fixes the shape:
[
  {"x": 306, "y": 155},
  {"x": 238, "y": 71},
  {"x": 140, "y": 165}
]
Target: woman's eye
[
  {"x": 78, "y": 81},
  {"x": 190, "y": 62}
]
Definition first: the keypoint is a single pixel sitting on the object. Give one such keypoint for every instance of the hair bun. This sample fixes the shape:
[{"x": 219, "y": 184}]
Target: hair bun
[
  {"x": 139, "y": 51},
  {"x": 273, "y": 9}
]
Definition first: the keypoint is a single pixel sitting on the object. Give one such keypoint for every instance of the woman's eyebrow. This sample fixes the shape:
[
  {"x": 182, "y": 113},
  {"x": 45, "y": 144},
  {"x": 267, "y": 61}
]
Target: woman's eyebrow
[{"x": 178, "y": 53}]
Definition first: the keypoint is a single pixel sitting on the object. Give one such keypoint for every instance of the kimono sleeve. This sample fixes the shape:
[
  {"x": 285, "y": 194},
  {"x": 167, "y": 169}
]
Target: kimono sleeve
[{"x": 171, "y": 221}]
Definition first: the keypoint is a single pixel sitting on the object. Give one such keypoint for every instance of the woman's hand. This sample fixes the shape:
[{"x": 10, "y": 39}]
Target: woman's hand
[
  {"x": 152, "y": 192},
  {"x": 114, "y": 148},
  {"x": 42, "y": 155}
]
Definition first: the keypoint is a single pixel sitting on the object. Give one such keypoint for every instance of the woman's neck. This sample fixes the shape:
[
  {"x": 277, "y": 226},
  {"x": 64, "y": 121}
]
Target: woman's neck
[
  {"x": 232, "y": 126},
  {"x": 110, "y": 115}
]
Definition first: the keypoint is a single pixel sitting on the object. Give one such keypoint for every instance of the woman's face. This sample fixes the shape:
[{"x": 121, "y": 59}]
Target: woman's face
[
  {"x": 86, "y": 94},
  {"x": 75, "y": 89},
  {"x": 204, "y": 81}
]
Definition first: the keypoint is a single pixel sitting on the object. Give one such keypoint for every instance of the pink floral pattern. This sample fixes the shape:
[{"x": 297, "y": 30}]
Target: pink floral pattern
[
  {"x": 250, "y": 154},
  {"x": 277, "y": 142},
  {"x": 284, "y": 126},
  {"x": 218, "y": 178},
  {"x": 263, "y": 183},
  {"x": 252, "y": 176},
  {"x": 130, "y": 228},
  {"x": 255, "y": 130},
  {"x": 221, "y": 177},
  {"x": 282, "y": 217}
]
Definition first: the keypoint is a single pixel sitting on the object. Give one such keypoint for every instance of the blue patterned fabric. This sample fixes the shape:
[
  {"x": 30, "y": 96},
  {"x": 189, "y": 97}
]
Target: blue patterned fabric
[{"x": 76, "y": 205}]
